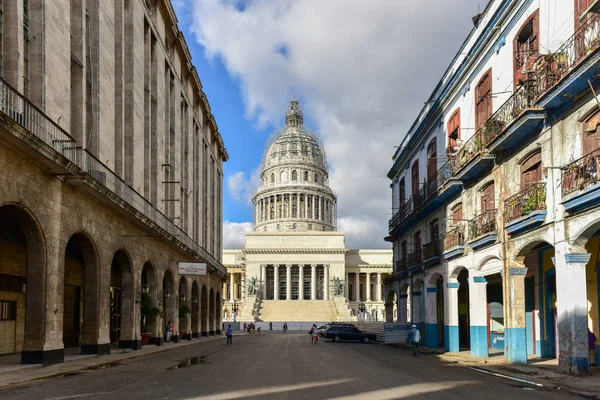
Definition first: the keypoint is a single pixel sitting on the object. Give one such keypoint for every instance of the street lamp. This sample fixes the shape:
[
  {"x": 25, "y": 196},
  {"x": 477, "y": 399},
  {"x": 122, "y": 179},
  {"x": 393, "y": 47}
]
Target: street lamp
[
  {"x": 195, "y": 300},
  {"x": 182, "y": 298},
  {"x": 167, "y": 294},
  {"x": 145, "y": 288},
  {"x": 362, "y": 308}
]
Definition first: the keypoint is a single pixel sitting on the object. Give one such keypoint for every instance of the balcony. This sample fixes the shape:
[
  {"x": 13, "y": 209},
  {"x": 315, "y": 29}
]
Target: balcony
[
  {"x": 401, "y": 219},
  {"x": 581, "y": 183},
  {"x": 472, "y": 159},
  {"x": 516, "y": 119},
  {"x": 431, "y": 253},
  {"x": 454, "y": 242},
  {"x": 564, "y": 74},
  {"x": 483, "y": 230},
  {"x": 414, "y": 261},
  {"x": 437, "y": 191},
  {"x": 526, "y": 210}
]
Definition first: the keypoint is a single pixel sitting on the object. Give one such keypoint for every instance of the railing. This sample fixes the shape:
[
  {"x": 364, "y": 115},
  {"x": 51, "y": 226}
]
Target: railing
[
  {"x": 531, "y": 199},
  {"x": 401, "y": 265},
  {"x": 553, "y": 67},
  {"x": 415, "y": 257},
  {"x": 431, "y": 250},
  {"x": 431, "y": 186},
  {"x": 19, "y": 109},
  {"x": 482, "y": 224},
  {"x": 404, "y": 210},
  {"x": 454, "y": 237},
  {"x": 522, "y": 99},
  {"x": 581, "y": 173},
  {"x": 469, "y": 150}
]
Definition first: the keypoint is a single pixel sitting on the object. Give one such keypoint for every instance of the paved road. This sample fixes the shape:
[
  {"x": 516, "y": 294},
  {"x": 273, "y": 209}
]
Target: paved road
[{"x": 277, "y": 366}]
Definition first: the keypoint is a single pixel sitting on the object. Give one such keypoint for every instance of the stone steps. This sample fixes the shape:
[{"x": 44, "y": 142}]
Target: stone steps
[{"x": 296, "y": 310}]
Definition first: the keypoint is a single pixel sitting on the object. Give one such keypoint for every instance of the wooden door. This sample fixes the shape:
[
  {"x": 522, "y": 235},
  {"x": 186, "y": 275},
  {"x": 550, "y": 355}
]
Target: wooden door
[
  {"x": 431, "y": 159},
  {"x": 457, "y": 214},
  {"x": 453, "y": 131},
  {"x": 483, "y": 99},
  {"x": 487, "y": 198},
  {"x": 591, "y": 136},
  {"x": 402, "y": 193},
  {"x": 531, "y": 170},
  {"x": 417, "y": 239},
  {"x": 415, "y": 177}
]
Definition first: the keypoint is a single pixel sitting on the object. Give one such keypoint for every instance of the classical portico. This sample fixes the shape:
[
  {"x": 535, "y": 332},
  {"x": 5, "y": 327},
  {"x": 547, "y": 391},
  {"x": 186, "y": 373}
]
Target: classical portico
[{"x": 295, "y": 282}]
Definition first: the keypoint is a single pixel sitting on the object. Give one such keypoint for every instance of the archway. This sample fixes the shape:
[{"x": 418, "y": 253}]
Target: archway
[
  {"x": 390, "y": 302},
  {"x": 204, "y": 311},
  {"x": 184, "y": 310},
  {"x": 211, "y": 313},
  {"x": 23, "y": 268},
  {"x": 195, "y": 311},
  {"x": 121, "y": 302},
  {"x": 150, "y": 312},
  {"x": 464, "y": 320},
  {"x": 80, "y": 296},
  {"x": 218, "y": 309},
  {"x": 168, "y": 304}
]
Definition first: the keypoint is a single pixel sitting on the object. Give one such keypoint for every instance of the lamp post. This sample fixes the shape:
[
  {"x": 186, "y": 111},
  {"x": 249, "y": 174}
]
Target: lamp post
[
  {"x": 234, "y": 309},
  {"x": 361, "y": 309},
  {"x": 167, "y": 294},
  {"x": 145, "y": 289}
]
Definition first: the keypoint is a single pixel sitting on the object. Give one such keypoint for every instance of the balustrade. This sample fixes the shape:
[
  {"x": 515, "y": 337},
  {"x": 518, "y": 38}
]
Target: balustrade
[
  {"x": 482, "y": 224},
  {"x": 581, "y": 173},
  {"x": 532, "y": 198},
  {"x": 454, "y": 237},
  {"x": 431, "y": 249}
]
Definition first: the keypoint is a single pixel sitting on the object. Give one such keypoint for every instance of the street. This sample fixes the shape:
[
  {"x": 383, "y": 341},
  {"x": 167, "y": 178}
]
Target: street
[{"x": 278, "y": 366}]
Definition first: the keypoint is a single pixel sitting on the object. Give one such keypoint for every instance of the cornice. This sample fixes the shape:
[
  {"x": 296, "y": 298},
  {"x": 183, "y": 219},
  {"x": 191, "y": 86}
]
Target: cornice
[
  {"x": 294, "y": 251},
  {"x": 371, "y": 266}
]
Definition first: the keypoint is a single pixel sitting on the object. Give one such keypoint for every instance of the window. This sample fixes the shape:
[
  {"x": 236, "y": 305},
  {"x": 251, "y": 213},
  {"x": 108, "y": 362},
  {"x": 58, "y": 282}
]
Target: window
[
  {"x": 294, "y": 175},
  {"x": 309, "y": 227},
  {"x": 8, "y": 310},
  {"x": 415, "y": 177},
  {"x": 305, "y": 176},
  {"x": 582, "y": 7},
  {"x": 457, "y": 213},
  {"x": 431, "y": 158},
  {"x": 402, "y": 191},
  {"x": 404, "y": 253},
  {"x": 531, "y": 170},
  {"x": 434, "y": 229},
  {"x": 487, "y": 198},
  {"x": 316, "y": 178},
  {"x": 453, "y": 131},
  {"x": 283, "y": 176},
  {"x": 483, "y": 99},
  {"x": 591, "y": 133},
  {"x": 278, "y": 227},
  {"x": 273, "y": 177},
  {"x": 526, "y": 48}
]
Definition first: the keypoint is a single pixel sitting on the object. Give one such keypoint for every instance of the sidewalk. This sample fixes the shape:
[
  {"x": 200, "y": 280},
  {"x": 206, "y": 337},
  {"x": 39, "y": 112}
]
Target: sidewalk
[
  {"x": 538, "y": 371},
  {"x": 13, "y": 373}
]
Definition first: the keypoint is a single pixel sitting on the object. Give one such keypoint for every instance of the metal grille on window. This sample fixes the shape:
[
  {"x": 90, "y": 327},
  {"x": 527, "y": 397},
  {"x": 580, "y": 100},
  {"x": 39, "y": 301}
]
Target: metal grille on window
[
  {"x": 320, "y": 276},
  {"x": 282, "y": 283},
  {"x": 307, "y": 276},
  {"x": 270, "y": 282},
  {"x": 8, "y": 310},
  {"x": 295, "y": 281}
]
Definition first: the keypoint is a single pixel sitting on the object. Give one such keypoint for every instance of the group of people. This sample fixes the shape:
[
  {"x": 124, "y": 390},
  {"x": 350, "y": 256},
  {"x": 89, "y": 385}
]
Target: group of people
[
  {"x": 314, "y": 334},
  {"x": 251, "y": 328}
]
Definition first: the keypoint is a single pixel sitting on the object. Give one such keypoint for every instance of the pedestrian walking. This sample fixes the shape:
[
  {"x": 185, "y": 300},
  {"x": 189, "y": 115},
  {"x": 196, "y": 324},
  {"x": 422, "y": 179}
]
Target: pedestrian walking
[
  {"x": 245, "y": 326},
  {"x": 314, "y": 337},
  {"x": 168, "y": 331},
  {"x": 285, "y": 327},
  {"x": 258, "y": 330},
  {"x": 414, "y": 337},
  {"x": 592, "y": 347},
  {"x": 229, "y": 336},
  {"x": 270, "y": 326}
]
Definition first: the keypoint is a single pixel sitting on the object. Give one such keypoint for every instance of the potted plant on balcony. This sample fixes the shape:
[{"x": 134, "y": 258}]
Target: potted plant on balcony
[{"x": 149, "y": 313}]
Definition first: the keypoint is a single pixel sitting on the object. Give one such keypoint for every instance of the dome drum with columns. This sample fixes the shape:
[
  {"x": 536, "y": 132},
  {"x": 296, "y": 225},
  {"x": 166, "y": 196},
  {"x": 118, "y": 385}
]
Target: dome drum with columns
[{"x": 295, "y": 265}]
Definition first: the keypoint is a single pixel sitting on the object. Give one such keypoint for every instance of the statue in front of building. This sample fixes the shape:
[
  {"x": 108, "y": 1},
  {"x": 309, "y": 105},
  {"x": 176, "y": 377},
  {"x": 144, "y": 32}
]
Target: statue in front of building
[
  {"x": 252, "y": 286},
  {"x": 338, "y": 287}
]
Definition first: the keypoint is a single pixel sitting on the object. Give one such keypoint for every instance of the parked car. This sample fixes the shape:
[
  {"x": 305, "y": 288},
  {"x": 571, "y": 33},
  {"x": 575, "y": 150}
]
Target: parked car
[
  {"x": 321, "y": 330},
  {"x": 348, "y": 332}
]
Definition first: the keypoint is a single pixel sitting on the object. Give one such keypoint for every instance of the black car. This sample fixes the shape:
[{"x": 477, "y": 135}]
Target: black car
[{"x": 346, "y": 332}]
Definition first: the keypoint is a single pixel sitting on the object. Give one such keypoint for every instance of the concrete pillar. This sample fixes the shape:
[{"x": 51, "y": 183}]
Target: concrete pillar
[
  {"x": 431, "y": 329},
  {"x": 572, "y": 306},
  {"x": 402, "y": 306},
  {"x": 515, "y": 337},
  {"x": 379, "y": 287},
  {"x": 368, "y": 286},
  {"x": 301, "y": 282},
  {"x": 478, "y": 316},
  {"x": 263, "y": 277},
  {"x": 451, "y": 337},
  {"x": 347, "y": 285},
  {"x": 305, "y": 206},
  {"x": 313, "y": 282},
  {"x": 231, "y": 284},
  {"x": 357, "y": 286},
  {"x": 288, "y": 282},
  {"x": 276, "y": 282},
  {"x": 326, "y": 282}
]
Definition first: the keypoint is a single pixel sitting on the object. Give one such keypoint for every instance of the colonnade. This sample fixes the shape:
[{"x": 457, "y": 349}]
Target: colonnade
[
  {"x": 295, "y": 205},
  {"x": 296, "y": 282},
  {"x": 355, "y": 295}
]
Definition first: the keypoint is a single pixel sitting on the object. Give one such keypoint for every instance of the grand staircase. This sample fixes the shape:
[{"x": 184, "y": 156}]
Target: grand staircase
[{"x": 296, "y": 310}]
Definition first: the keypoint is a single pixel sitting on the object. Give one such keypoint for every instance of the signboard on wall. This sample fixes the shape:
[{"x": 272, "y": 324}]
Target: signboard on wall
[{"x": 187, "y": 268}]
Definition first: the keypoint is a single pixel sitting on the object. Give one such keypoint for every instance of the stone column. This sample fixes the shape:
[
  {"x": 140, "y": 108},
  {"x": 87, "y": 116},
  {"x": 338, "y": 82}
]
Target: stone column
[
  {"x": 515, "y": 336},
  {"x": 379, "y": 287},
  {"x": 347, "y": 283},
  {"x": 478, "y": 316},
  {"x": 276, "y": 282},
  {"x": 357, "y": 286},
  {"x": 305, "y": 205},
  {"x": 314, "y": 205},
  {"x": 288, "y": 282},
  {"x": 368, "y": 282},
  {"x": 431, "y": 328},
  {"x": 326, "y": 282},
  {"x": 263, "y": 272},
  {"x": 451, "y": 338},
  {"x": 572, "y": 305},
  {"x": 231, "y": 284},
  {"x": 268, "y": 217},
  {"x": 301, "y": 282},
  {"x": 322, "y": 213},
  {"x": 313, "y": 282}
]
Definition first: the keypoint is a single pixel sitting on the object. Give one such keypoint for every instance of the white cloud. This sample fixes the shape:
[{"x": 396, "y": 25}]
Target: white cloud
[
  {"x": 234, "y": 234},
  {"x": 241, "y": 188},
  {"x": 362, "y": 69}
]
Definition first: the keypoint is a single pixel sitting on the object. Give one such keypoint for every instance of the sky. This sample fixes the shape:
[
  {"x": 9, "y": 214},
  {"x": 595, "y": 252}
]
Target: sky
[{"x": 362, "y": 70}]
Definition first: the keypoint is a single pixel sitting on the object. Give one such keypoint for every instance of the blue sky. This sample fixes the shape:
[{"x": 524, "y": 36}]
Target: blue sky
[{"x": 361, "y": 70}]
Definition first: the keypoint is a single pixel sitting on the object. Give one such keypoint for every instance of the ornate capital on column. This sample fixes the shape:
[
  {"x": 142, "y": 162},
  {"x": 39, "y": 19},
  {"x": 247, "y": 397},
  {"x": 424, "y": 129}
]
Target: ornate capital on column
[
  {"x": 301, "y": 265},
  {"x": 263, "y": 265},
  {"x": 313, "y": 265}
]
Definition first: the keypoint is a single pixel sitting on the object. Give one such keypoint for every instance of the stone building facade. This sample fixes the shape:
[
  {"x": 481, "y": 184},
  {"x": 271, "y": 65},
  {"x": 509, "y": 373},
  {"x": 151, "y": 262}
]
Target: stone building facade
[
  {"x": 495, "y": 190},
  {"x": 295, "y": 252},
  {"x": 111, "y": 175}
]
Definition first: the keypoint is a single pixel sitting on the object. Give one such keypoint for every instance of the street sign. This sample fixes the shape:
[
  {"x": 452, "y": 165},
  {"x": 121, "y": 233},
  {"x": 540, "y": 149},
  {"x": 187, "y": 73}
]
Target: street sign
[{"x": 192, "y": 268}]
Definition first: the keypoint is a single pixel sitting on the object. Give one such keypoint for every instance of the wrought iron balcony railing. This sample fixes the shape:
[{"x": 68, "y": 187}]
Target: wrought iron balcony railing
[
  {"x": 553, "y": 67},
  {"x": 401, "y": 265},
  {"x": 415, "y": 257},
  {"x": 482, "y": 224},
  {"x": 432, "y": 249},
  {"x": 469, "y": 150},
  {"x": 432, "y": 185},
  {"x": 404, "y": 211},
  {"x": 532, "y": 198},
  {"x": 19, "y": 109},
  {"x": 581, "y": 173},
  {"x": 454, "y": 237},
  {"x": 522, "y": 99}
]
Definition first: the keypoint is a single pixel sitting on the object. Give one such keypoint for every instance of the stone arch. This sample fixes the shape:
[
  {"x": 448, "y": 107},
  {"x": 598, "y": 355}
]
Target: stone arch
[
  {"x": 391, "y": 299},
  {"x": 486, "y": 260},
  {"x": 168, "y": 299},
  {"x": 204, "y": 311},
  {"x": 149, "y": 285},
  {"x": 182, "y": 304},
  {"x": 211, "y": 312},
  {"x": 22, "y": 237},
  {"x": 432, "y": 281},
  {"x": 294, "y": 175},
  {"x": 218, "y": 312},
  {"x": 585, "y": 232},
  {"x": 521, "y": 250},
  {"x": 195, "y": 310},
  {"x": 81, "y": 280},
  {"x": 455, "y": 272},
  {"x": 122, "y": 300}
]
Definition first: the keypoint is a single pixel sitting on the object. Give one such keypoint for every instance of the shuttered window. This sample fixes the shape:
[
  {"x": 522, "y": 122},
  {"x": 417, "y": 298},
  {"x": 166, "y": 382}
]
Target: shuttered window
[
  {"x": 432, "y": 158},
  {"x": 415, "y": 177},
  {"x": 591, "y": 133},
  {"x": 487, "y": 198},
  {"x": 402, "y": 189},
  {"x": 526, "y": 48},
  {"x": 453, "y": 131},
  {"x": 483, "y": 99},
  {"x": 531, "y": 170},
  {"x": 457, "y": 213}
]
